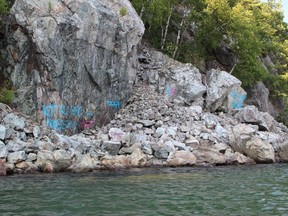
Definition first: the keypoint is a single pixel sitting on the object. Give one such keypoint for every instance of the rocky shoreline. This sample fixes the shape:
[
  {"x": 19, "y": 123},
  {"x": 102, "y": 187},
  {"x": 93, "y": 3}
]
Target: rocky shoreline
[{"x": 152, "y": 130}]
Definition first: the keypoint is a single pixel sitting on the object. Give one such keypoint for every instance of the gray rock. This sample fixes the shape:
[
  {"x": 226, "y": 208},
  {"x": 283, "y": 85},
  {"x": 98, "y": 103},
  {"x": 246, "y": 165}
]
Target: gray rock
[
  {"x": 62, "y": 159},
  {"x": 160, "y": 131},
  {"x": 244, "y": 141},
  {"x": 172, "y": 131},
  {"x": 87, "y": 46},
  {"x": 2, "y": 132},
  {"x": 3, "y": 150},
  {"x": 148, "y": 131},
  {"x": 209, "y": 156},
  {"x": 162, "y": 153},
  {"x": 3, "y": 171},
  {"x": 146, "y": 148},
  {"x": 192, "y": 142},
  {"x": 10, "y": 133},
  {"x": 236, "y": 98},
  {"x": 16, "y": 145},
  {"x": 116, "y": 134},
  {"x": 180, "y": 146},
  {"x": 31, "y": 157},
  {"x": 251, "y": 115},
  {"x": 85, "y": 163},
  {"x": 46, "y": 162},
  {"x": 36, "y": 131},
  {"x": 221, "y": 131},
  {"x": 129, "y": 150},
  {"x": 182, "y": 158},
  {"x": 14, "y": 121},
  {"x": 259, "y": 151},
  {"x": 138, "y": 158},
  {"x": 210, "y": 120},
  {"x": 45, "y": 146},
  {"x": 16, "y": 157},
  {"x": 220, "y": 84},
  {"x": 189, "y": 82},
  {"x": 111, "y": 147},
  {"x": 146, "y": 123},
  {"x": 258, "y": 96}
]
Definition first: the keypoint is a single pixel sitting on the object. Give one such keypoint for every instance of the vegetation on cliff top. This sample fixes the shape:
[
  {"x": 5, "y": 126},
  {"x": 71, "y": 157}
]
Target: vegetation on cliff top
[{"x": 194, "y": 31}]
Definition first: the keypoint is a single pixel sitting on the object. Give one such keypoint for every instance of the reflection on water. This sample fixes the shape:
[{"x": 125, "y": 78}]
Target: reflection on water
[{"x": 235, "y": 190}]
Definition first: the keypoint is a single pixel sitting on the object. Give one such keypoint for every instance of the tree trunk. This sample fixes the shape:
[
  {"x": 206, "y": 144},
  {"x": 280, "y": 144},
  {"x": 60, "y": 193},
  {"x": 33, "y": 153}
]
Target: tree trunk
[
  {"x": 178, "y": 37},
  {"x": 164, "y": 37}
]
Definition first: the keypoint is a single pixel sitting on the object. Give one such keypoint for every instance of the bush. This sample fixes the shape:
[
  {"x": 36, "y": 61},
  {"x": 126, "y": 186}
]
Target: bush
[
  {"x": 123, "y": 11},
  {"x": 6, "y": 96}
]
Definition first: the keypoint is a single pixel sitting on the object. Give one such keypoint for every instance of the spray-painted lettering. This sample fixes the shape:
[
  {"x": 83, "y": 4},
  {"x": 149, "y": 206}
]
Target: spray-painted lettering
[
  {"x": 114, "y": 104},
  {"x": 56, "y": 117}
]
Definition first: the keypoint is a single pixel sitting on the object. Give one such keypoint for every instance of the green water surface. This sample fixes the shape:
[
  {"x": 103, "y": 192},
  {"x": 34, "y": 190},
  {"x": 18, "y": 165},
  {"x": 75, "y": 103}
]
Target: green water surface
[{"x": 230, "y": 190}]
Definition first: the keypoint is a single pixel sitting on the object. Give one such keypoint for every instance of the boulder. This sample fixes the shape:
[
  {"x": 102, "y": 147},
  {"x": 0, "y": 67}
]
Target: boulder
[
  {"x": 2, "y": 168},
  {"x": 16, "y": 157},
  {"x": 238, "y": 158},
  {"x": 188, "y": 82},
  {"x": 244, "y": 141},
  {"x": 251, "y": 115},
  {"x": 138, "y": 158},
  {"x": 46, "y": 162},
  {"x": 240, "y": 135},
  {"x": 16, "y": 145},
  {"x": 3, "y": 150},
  {"x": 2, "y": 132},
  {"x": 182, "y": 158},
  {"x": 62, "y": 159},
  {"x": 129, "y": 150},
  {"x": 111, "y": 147},
  {"x": 219, "y": 85},
  {"x": 258, "y": 96},
  {"x": 72, "y": 57},
  {"x": 162, "y": 153},
  {"x": 210, "y": 156},
  {"x": 14, "y": 121},
  {"x": 259, "y": 151},
  {"x": 283, "y": 152},
  {"x": 85, "y": 163},
  {"x": 119, "y": 161},
  {"x": 116, "y": 134},
  {"x": 146, "y": 148},
  {"x": 236, "y": 98}
]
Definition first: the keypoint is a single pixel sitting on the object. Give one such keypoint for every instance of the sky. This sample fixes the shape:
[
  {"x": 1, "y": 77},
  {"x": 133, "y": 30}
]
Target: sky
[{"x": 285, "y": 8}]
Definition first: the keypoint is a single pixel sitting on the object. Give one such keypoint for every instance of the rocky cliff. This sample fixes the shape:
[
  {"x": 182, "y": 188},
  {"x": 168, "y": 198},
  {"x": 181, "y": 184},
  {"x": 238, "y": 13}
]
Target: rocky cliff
[
  {"x": 167, "y": 122},
  {"x": 72, "y": 62}
]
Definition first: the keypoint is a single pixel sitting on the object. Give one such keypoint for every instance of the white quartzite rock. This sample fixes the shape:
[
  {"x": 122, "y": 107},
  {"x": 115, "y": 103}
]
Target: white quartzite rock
[
  {"x": 2, "y": 132},
  {"x": 220, "y": 84}
]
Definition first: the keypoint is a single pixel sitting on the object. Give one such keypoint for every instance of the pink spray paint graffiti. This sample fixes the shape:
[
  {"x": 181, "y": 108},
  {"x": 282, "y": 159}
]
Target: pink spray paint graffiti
[{"x": 170, "y": 91}]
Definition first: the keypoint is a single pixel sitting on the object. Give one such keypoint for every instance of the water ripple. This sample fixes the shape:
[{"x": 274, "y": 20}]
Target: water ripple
[{"x": 247, "y": 190}]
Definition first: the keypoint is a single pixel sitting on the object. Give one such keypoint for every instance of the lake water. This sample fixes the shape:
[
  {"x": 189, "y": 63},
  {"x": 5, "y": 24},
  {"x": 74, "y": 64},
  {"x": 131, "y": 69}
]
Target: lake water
[{"x": 230, "y": 190}]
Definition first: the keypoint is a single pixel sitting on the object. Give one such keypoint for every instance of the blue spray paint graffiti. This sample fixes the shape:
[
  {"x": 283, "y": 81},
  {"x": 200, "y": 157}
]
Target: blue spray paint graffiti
[
  {"x": 53, "y": 112},
  {"x": 114, "y": 104},
  {"x": 170, "y": 91},
  {"x": 237, "y": 99}
]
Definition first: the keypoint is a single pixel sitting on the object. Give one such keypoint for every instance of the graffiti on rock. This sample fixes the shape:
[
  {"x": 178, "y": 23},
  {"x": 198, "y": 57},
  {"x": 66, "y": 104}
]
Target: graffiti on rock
[
  {"x": 114, "y": 104},
  {"x": 56, "y": 117},
  {"x": 86, "y": 124},
  {"x": 170, "y": 91},
  {"x": 237, "y": 99}
]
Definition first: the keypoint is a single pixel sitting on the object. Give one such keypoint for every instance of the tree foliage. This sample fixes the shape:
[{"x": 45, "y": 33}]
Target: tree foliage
[{"x": 251, "y": 28}]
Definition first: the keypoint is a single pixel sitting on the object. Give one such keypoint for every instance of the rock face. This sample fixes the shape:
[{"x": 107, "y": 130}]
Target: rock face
[
  {"x": 259, "y": 97},
  {"x": 72, "y": 62},
  {"x": 220, "y": 85}
]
